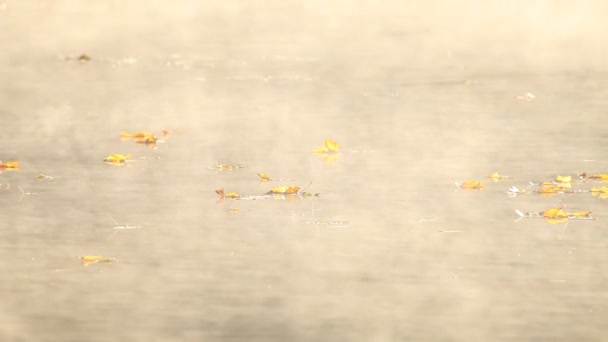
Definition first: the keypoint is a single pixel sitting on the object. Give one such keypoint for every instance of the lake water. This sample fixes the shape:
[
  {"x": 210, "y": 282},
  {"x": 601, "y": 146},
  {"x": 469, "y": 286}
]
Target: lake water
[{"x": 416, "y": 94}]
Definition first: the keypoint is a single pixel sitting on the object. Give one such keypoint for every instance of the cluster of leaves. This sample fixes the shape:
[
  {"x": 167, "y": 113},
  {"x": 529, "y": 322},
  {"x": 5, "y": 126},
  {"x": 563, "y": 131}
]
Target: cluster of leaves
[
  {"x": 558, "y": 185},
  {"x": 139, "y": 137},
  {"x": 281, "y": 192}
]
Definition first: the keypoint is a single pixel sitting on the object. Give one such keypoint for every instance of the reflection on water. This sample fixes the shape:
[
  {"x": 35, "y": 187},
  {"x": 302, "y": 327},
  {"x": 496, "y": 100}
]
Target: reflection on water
[{"x": 415, "y": 94}]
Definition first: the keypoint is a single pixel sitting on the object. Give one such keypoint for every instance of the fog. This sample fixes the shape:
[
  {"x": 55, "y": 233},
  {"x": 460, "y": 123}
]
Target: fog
[{"x": 418, "y": 94}]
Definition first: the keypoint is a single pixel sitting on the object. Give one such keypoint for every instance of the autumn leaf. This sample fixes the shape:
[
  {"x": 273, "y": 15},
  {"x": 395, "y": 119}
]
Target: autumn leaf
[
  {"x": 496, "y": 177},
  {"x": 555, "y": 189},
  {"x": 117, "y": 159},
  {"x": 470, "y": 185},
  {"x": 581, "y": 214},
  {"x": 232, "y": 195},
  {"x": 264, "y": 176},
  {"x": 92, "y": 259},
  {"x": 10, "y": 165},
  {"x": 84, "y": 58},
  {"x": 555, "y": 213},
  {"x": 329, "y": 147},
  {"x": 601, "y": 192},
  {"x": 139, "y": 137},
  {"x": 284, "y": 190},
  {"x": 602, "y": 177},
  {"x": 563, "y": 179}
]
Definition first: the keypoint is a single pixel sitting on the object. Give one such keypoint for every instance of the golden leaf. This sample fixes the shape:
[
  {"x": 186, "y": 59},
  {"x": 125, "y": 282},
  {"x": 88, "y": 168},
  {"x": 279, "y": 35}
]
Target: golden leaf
[
  {"x": 563, "y": 179},
  {"x": 10, "y": 165},
  {"x": 602, "y": 177},
  {"x": 471, "y": 185},
  {"x": 264, "y": 176},
  {"x": 227, "y": 195},
  {"x": 232, "y": 195},
  {"x": 496, "y": 177},
  {"x": 332, "y": 145},
  {"x": 117, "y": 159},
  {"x": 329, "y": 147},
  {"x": 285, "y": 190},
  {"x": 555, "y": 213},
  {"x": 601, "y": 192},
  {"x": 92, "y": 259},
  {"x": 553, "y": 189},
  {"x": 140, "y": 137},
  {"x": 581, "y": 213}
]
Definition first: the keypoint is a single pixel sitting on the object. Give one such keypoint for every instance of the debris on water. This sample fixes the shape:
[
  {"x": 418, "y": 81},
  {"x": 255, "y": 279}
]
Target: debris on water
[
  {"x": 224, "y": 167},
  {"x": 93, "y": 259},
  {"x": 42, "y": 176},
  {"x": 117, "y": 159},
  {"x": 526, "y": 97}
]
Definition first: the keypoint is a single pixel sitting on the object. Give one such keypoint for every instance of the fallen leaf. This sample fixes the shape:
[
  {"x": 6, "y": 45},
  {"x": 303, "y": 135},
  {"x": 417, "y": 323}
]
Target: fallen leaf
[
  {"x": 92, "y": 259},
  {"x": 496, "y": 177},
  {"x": 232, "y": 195},
  {"x": 264, "y": 176},
  {"x": 285, "y": 190},
  {"x": 117, "y": 159},
  {"x": 555, "y": 213},
  {"x": 227, "y": 195},
  {"x": 10, "y": 165},
  {"x": 329, "y": 147},
  {"x": 471, "y": 185},
  {"x": 601, "y": 192},
  {"x": 563, "y": 179},
  {"x": 84, "y": 58},
  {"x": 581, "y": 213},
  {"x": 555, "y": 189},
  {"x": 602, "y": 177},
  {"x": 139, "y": 137}
]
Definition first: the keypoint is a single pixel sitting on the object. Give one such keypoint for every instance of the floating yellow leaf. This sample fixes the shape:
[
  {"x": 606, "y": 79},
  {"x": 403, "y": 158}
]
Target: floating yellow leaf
[
  {"x": 232, "y": 195},
  {"x": 496, "y": 176},
  {"x": 555, "y": 213},
  {"x": 117, "y": 159},
  {"x": 563, "y": 179},
  {"x": 471, "y": 185},
  {"x": 555, "y": 189},
  {"x": 330, "y": 147},
  {"x": 227, "y": 195},
  {"x": 92, "y": 259},
  {"x": 139, "y": 137},
  {"x": 602, "y": 177},
  {"x": 601, "y": 192},
  {"x": 264, "y": 176},
  {"x": 9, "y": 165},
  {"x": 581, "y": 213},
  {"x": 285, "y": 190}
]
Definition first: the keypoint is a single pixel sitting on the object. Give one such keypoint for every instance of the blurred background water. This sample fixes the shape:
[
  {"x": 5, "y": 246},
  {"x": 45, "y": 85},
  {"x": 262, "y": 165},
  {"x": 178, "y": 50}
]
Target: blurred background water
[{"x": 416, "y": 93}]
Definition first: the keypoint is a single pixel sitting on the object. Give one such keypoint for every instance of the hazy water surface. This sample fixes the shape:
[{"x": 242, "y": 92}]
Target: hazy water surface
[{"x": 416, "y": 94}]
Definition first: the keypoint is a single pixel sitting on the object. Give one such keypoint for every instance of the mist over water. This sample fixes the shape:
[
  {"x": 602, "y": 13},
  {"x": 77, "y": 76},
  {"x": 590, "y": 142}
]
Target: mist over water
[{"x": 416, "y": 93}]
